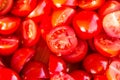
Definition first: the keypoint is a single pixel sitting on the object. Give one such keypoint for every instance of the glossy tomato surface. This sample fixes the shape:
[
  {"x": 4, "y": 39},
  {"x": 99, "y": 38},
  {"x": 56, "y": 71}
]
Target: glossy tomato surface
[
  {"x": 87, "y": 24},
  {"x": 5, "y": 6},
  {"x": 61, "y": 40}
]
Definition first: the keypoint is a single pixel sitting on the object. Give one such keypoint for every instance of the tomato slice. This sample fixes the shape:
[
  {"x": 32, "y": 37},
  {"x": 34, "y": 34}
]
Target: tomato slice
[
  {"x": 90, "y": 4},
  {"x": 8, "y": 45},
  {"x": 61, "y": 40},
  {"x": 5, "y": 6},
  {"x": 30, "y": 33},
  {"x": 111, "y": 24},
  {"x": 113, "y": 71},
  {"x": 106, "y": 45},
  {"x": 9, "y": 25}
]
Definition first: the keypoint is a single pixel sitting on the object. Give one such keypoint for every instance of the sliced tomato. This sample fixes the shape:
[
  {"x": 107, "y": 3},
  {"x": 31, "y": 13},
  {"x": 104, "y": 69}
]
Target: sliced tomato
[
  {"x": 90, "y": 4},
  {"x": 79, "y": 53},
  {"x": 23, "y": 7},
  {"x": 5, "y": 6},
  {"x": 113, "y": 71},
  {"x": 8, "y": 45},
  {"x": 108, "y": 7},
  {"x": 30, "y": 32},
  {"x": 62, "y": 16},
  {"x": 20, "y": 58},
  {"x": 111, "y": 24},
  {"x": 61, "y": 40},
  {"x": 87, "y": 24},
  {"x": 106, "y": 45},
  {"x": 9, "y": 25}
]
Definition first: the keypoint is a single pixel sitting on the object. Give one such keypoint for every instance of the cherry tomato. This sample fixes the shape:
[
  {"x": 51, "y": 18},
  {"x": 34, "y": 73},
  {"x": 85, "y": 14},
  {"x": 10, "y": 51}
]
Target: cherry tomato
[
  {"x": 62, "y": 16},
  {"x": 100, "y": 77},
  {"x": 108, "y": 7},
  {"x": 9, "y": 25},
  {"x": 20, "y": 58},
  {"x": 35, "y": 70},
  {"x": 61, "y": 40},
  {"x": 5, "y": 6},
  {"x": 8, "y": 45},
  {"x": 8, "y": 74},
  {"x": 30, "y": 32},
  {"x": 23, "y": 7},
  {"x": 87, "y": 24},
  {"x": 106, "y": 45},
  {"x": 111, "y": 24},
  {"x": 79, "y": 53},
  {"x": 56, "y": 65},
  {"x": 40, "y": 11},
  {"x": 80, "y": 75},
  {"x": 113, "y": 71},
  {"x": 90, "y": 4},
  {"x": 95, "y": 63}
]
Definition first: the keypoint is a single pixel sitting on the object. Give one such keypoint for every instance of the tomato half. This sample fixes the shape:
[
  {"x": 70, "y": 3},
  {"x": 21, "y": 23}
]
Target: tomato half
[
  {"x": 106, "y": 45},
  {"x": 9, "y": 25},
  {"x": 5, "y": 6},
  {"x": 23, "y": 7},
  {"x": 111, "y": 24},
  {"x": 87, "y": 24},
  {"x": 61, "y": 40},
  {"x": 90, "y": 4}
]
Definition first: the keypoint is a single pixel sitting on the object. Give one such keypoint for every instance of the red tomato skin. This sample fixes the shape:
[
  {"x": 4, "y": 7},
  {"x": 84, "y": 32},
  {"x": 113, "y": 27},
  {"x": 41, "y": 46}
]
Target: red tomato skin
[
  {"x": 90, "y": 4},
  {"x": 6, "y": 8},
  {"x": 20, "y": 58},
  {"x": 95, "y": 63},
  {"x": 9, "y": 25},
  {"x": 30, "y": 33},
  {"x": 38, "y": 70},
  {"x": 107, "y": 45},
  {"x": 40, "y": 12},
  {"x": 8, "y": 45},
  {"x": 108, "y": 7},
  {"x": 87, "y": 24},
  {"x": 59, "y": 42},
  {"x": 100, "y": 77},
  {"x": 79, "y": 53},
  {"x": 56, "y": 65},
  {"x": 23, "y": 7},
  {"x": 80, "y": 75},
  {"x": 8, "y": 74}
]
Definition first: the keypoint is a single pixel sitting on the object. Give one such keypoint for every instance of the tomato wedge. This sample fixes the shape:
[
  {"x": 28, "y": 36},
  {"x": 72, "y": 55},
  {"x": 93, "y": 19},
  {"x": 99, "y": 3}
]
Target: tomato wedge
[{"x": 61, "y": 40}]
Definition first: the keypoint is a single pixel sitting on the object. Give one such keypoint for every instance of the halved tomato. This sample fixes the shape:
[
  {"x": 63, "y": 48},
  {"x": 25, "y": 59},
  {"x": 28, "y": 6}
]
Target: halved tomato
[
  {"x": 5, "y": 6},
  {"x": 61, "y": 40}
]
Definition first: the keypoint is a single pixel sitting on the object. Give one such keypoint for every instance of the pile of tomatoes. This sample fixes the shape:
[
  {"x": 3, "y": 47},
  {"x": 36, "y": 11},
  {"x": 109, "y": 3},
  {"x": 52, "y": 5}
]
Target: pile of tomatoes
[{"x": 59, "y": 40}]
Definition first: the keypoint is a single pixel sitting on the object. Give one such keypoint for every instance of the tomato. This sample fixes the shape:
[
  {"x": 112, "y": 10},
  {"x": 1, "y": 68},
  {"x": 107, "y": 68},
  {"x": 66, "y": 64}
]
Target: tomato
[
  {"x": 61, "y": 40},
  {"x": 5, "y": 6},
  {"x": 113, "y": 71},
  {"x": 42, "y": 9},
  {"x": 90, "y": 4},
  {"x": 100, "y": 77},
  {"x": 23, "y": 7},
  {"x": 56, "y": 65},
  {"x": 79, "y": 53},
  {"x": 20, "y": 58},
  {"x": 62, "y": 16},
  {"x": 108, "y": 7},
  {"x": 95, "y": 63},
  {"x": 30, "y": 32},
  {"x": 80, "y": 75},
  {"x": 37, "y": 69},
  {"x": 8, "y": 74},
  {"x": 106, "y": 45},
  {"x": 9, "y": 25},
  {"x": 87, "y": 24},
  {"x": 8, "y": 45},
  {"x": 111, "y": 24},
  {"x": 61, "y": 3}
]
